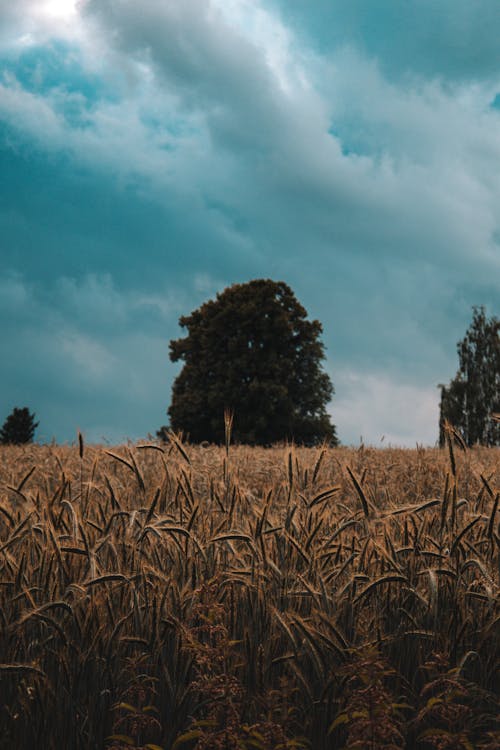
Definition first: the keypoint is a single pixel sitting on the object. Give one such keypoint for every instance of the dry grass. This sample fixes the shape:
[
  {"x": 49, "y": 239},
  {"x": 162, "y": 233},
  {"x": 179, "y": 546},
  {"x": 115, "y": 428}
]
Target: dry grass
[{"x": 239, "y": 597}]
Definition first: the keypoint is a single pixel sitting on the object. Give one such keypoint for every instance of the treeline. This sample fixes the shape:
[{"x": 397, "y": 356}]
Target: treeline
[{"x": 253, "y": 368}]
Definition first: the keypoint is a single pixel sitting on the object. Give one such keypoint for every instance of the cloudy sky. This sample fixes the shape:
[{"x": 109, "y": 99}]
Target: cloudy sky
[{"x": 154, "y": 152}]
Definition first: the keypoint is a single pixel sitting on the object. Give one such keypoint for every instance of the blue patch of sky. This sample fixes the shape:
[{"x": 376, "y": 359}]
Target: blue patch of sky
[
  {"x": 455, "y": 39},
  {"x": 175, "y": 128},
  {"x": 354, "y": 140},
  {"x": 55, "y": 68},
  {"x": 346, "y": 148}
]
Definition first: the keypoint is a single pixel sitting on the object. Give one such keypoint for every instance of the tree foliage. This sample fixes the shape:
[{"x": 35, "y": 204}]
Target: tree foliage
[
  {"x": 253, "y": 352},
  {"x": 473, "y": 396},
  {"x": 19, "y": 427}
]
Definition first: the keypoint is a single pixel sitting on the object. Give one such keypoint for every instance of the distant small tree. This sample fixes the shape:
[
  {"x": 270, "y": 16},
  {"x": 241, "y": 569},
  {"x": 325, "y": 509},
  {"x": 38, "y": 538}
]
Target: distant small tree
[
  {"x": 252, "y": 352},
  {"x": 19, "y": 427},
  {"x": 472, "y": 398}
]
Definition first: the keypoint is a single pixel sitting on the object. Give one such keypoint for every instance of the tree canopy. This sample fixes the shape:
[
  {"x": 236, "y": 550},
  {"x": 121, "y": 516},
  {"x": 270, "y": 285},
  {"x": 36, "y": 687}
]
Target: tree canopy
[
  {"x": 253, "y": 352},
  {"x": 472, "y": 398},
  {"x": 19, "y": 427}
]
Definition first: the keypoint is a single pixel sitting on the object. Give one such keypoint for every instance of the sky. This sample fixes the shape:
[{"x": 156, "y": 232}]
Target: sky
[{"x": 152, "y": 153}]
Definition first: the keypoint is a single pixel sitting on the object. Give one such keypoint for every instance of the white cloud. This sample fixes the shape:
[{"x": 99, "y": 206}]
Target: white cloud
[
  {"x": 13, "y": 293},
  {"x": 30, "y": 22},
  {"x": 92, "y": 359},
  {"x": 384, "y": 411},
  {"x": 29, "y": 113},
  {"x": 60, "y": 9},
  {"x": 95, "y": 301}
]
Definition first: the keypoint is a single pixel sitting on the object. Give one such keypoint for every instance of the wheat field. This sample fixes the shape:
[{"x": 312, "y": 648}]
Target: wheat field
[{"x": 173, "y": 596}]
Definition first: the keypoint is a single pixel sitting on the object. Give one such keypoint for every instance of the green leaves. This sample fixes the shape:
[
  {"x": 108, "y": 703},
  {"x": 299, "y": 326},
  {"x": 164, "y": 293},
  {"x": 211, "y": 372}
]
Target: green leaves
[
  {"x": 19, "y": 427},
  {"x": 251, "y": 352},
  {"x": 472, "y": 398}
]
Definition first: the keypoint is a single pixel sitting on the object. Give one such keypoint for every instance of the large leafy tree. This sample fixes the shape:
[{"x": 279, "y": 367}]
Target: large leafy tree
[
  {"x": 19, "y": 427},
  {"x": 253, "y": 352},
  {"x": 472, "y": 398}
]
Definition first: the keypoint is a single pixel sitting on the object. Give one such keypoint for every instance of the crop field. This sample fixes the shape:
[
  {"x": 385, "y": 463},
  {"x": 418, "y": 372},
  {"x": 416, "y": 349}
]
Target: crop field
[{"x": 176, "y": 596}]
